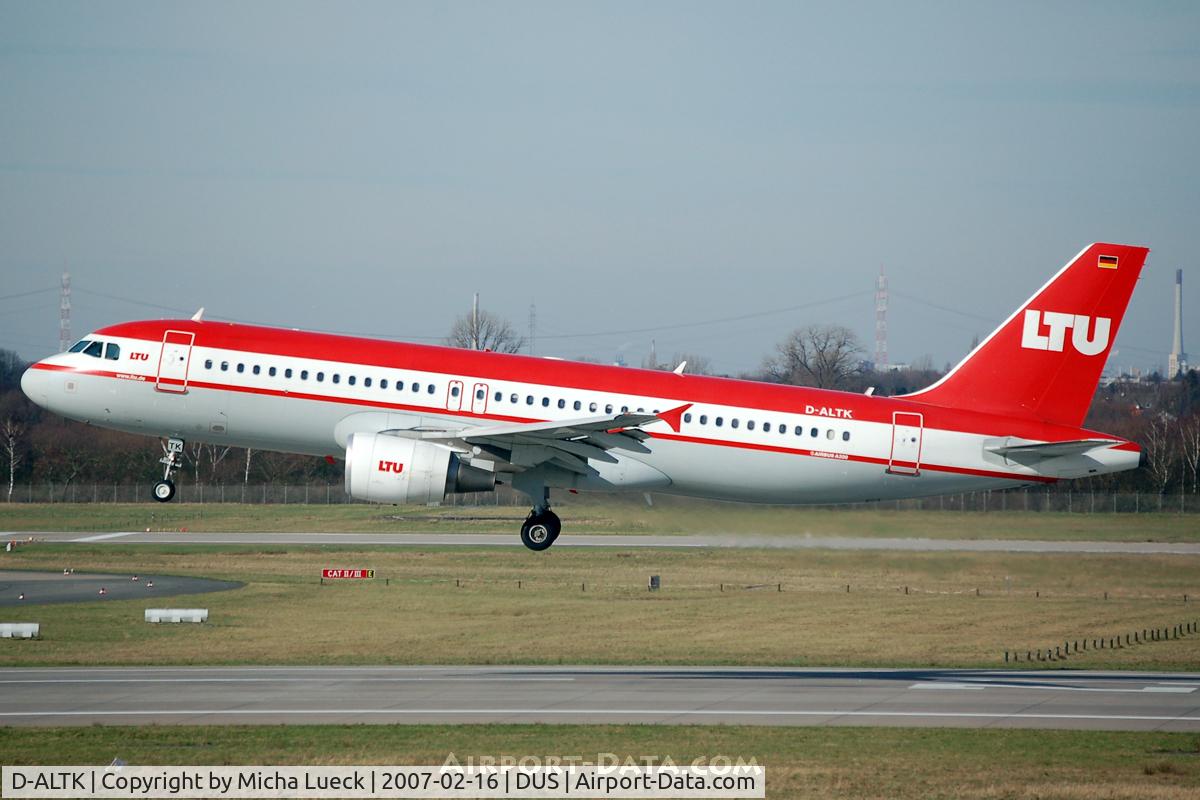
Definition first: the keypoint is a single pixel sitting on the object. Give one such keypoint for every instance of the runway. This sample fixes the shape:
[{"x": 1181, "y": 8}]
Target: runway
[
  {"x": 749, "y": 540},
  {"x": 696, "y": 695}
]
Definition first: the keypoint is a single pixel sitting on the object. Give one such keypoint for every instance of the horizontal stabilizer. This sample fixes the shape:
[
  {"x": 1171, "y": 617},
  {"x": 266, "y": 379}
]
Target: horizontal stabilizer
[{"x": 1041, "y": 450}]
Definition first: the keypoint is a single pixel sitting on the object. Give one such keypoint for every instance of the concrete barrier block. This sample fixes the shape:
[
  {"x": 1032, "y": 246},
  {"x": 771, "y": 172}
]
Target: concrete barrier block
[
  {"x": 176, "y": 614},
  {"x": 20, "y": 630}
]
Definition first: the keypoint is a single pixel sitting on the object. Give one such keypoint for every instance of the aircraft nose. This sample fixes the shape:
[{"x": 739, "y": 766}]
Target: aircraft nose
[{"x": 33, "y": 384}]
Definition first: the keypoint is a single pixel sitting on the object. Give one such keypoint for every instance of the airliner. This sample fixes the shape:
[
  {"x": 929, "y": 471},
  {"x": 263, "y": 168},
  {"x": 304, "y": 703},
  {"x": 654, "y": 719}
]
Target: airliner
[{"x": 414, "y": 423}]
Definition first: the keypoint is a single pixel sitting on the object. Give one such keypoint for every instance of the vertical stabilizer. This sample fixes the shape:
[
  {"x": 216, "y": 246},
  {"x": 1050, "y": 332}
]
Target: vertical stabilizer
[{"x": 1044, "y": 361}]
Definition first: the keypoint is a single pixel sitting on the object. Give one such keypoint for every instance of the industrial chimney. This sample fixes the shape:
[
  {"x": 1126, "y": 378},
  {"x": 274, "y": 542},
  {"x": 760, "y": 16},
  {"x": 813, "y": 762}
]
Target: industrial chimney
[{"x": 1177, "y": 362}]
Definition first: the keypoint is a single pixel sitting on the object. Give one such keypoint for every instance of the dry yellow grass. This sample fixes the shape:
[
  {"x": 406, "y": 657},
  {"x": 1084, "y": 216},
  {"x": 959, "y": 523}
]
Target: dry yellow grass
[
  {"x": 591, "y": 606},
  {"x": 905, "y": 764}
]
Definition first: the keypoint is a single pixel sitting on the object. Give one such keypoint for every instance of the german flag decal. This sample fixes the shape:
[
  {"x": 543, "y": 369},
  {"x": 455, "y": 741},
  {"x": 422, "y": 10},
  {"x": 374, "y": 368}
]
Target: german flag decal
[{"x": 1107, "y": 262}]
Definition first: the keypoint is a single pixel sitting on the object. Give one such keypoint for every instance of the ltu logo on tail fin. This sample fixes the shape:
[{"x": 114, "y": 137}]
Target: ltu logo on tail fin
[{"x": 1056, "y": 324}]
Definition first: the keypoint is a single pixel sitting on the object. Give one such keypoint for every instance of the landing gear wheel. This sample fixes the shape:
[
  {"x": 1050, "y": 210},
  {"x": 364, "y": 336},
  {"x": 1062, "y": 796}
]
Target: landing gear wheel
[
  {"x": 164, "y": 491},
  {"x": 540, "y": 530}
]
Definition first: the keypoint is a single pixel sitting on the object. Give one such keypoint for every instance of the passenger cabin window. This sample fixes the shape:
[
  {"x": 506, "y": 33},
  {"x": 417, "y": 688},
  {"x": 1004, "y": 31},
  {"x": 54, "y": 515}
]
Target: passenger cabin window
[
  {"x": 383, "y": 383},
  {"x": 257, "y": 369},
  {"x": 241, "y": 367},
  {"x": 367, "y": 383},
  {"x": 718, "y": 421},
  {"x": 479, "y": 394},
  {"x": 512, "y": 398},
  {"x": 592, "y": 407},
  {"x": 208, "y": 363},
  {"x": 562, "y": 403},
  {"x": 704, "y": 419},
  {"x": 416, "y": 386},
  {"x": 733, "y": 423},
  {"x": 112, "y": 352},
  {"x": 320, "y": 377},
  {"x": 750, "y": 425},
  {"x": 687, "y": 417},
  {"x": 454, "y": 391},
  {"x": 287, "y": 373},
  {"x": 813, "y": 433},
  {"x": 271, "y": 372},
  {"x": 303, "y": 374},
  {"x": 224, "y": 366},
  {"x": 608, "y": 409},
  {"x": 94, "y": 349},
  {"x": 545, "y": 402},
  {"x": 829, "y": 433},
  {"x": 845, "y": 436},
  {"x": 351, "y": 380},
  {"x": 431, "y": 388},
  {"x": 337, "y": 378},
  {"x": 766, "y": 427}
]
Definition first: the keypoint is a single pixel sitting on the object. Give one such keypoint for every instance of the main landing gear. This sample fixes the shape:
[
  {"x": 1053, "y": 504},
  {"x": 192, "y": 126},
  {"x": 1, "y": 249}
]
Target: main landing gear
[
  {"x": 164, "y": 490},
  {"x": 542, "y": 526}
]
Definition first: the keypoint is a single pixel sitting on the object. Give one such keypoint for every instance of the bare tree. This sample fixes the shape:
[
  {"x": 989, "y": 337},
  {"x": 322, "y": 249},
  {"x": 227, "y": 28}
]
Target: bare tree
[
  {"x": 246, "y": 476},
  {"x": 696, "y": 364},
  {"x": 1162, "y": 454},
  {"x": 11, "y": 432},
  {"x": 197, "y": 450},
  {"x": 216, "y": 454},
  {"x": 1189, "y": 450},
  {"x": 824, "y": 356},
  {"x": 485, "y": 331}
]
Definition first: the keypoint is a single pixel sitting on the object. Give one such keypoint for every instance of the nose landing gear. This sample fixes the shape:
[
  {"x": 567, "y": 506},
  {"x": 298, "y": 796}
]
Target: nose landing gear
[{"x": 164, "y": 490}]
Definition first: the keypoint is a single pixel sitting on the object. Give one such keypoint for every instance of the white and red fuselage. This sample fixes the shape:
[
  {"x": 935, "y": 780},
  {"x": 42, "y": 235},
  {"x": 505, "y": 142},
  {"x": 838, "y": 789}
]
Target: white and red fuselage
[{"x": 1009, "y": 414}]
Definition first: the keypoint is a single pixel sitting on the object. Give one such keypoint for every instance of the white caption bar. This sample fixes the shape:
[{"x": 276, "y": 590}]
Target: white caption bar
[{"x": 738, "y": 781}]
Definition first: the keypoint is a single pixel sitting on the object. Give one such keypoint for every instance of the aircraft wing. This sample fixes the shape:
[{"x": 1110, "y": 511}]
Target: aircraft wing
[{"x": 566, "y": 443}]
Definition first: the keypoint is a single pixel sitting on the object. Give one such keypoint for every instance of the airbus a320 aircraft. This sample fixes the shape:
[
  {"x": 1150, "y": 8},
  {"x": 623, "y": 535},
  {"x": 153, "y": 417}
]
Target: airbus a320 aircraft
[{"x": 415, "y": 423}]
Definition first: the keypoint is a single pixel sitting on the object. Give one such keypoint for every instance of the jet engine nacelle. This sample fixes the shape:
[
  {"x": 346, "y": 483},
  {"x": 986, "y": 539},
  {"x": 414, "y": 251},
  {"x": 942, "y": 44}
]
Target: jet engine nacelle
[{"x": 393, "y": 469}]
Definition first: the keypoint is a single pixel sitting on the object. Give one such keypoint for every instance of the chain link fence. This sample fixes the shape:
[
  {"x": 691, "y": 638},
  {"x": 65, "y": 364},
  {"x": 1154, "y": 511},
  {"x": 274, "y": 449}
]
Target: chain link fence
[{"x": 1031, "y": 500}]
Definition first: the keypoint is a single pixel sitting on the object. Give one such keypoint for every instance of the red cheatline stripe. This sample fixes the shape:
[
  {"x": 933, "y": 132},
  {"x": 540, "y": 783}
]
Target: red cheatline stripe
[{"x": 806, "y": 452}]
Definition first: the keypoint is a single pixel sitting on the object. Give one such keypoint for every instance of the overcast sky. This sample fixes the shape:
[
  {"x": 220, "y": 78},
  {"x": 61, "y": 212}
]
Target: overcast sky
[{"x": 366, "y": 167}]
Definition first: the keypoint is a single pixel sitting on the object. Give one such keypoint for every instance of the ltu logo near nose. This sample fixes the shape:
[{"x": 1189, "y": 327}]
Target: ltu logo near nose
[
  {"x": 391, "y": 466},
  {"x": 1088, "y": 337}
]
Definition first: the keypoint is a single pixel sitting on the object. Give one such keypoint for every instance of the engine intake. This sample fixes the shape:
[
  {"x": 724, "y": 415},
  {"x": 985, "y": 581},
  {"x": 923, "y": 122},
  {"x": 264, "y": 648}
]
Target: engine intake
[{"x": 393, "y": 469}]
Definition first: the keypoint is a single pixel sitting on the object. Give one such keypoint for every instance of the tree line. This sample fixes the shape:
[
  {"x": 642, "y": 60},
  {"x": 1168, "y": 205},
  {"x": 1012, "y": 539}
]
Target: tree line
[{"x": 41, "y": 447}]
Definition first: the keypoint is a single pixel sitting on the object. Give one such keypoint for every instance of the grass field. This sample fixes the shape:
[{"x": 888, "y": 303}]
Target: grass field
[
  {"x": 800, "y": 762},
  {"x": 612, "y": 515},
  {"x": 591, "y": 606}
]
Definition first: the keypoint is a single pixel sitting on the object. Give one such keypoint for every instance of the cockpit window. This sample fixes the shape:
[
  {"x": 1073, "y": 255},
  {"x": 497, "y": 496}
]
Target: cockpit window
[
  {"x": 82, "y": 343},
  {"x": 94, "y": 349},
  {"x": 112, "y": 352}
]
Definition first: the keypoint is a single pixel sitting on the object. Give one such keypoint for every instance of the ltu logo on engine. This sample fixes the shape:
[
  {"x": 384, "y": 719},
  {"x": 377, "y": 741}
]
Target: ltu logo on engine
[
  {"x": 391, "y": 466},
  {"x": 1056, "y": 324}
]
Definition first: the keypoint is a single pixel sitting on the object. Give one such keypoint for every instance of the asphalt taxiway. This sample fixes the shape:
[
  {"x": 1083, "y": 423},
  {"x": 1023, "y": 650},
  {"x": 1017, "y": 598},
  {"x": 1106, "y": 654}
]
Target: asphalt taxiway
[
  {"x": 784, "y": 541},
  {"x": 22, "y": 588},
  {"x": 696, "y": 695}
]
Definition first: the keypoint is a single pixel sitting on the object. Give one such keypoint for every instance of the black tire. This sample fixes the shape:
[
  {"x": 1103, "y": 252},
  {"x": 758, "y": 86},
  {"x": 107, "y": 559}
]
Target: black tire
[
  {"x": 164, "y": 491},
  {"x": 540, "y": 530}
]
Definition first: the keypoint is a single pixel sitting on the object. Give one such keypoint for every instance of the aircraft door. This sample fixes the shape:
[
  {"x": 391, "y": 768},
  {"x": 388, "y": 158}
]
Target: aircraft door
[
  {"x": 479, "y": 399},
  {"x": 173, "y": 361},
  {"x": 454, "y": 396},
  {"x": 908, "y": 430}
]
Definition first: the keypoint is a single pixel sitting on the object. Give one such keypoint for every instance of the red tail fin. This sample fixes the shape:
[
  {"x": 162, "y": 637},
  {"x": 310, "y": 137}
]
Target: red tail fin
[{"x": 1045, "y": 360}]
